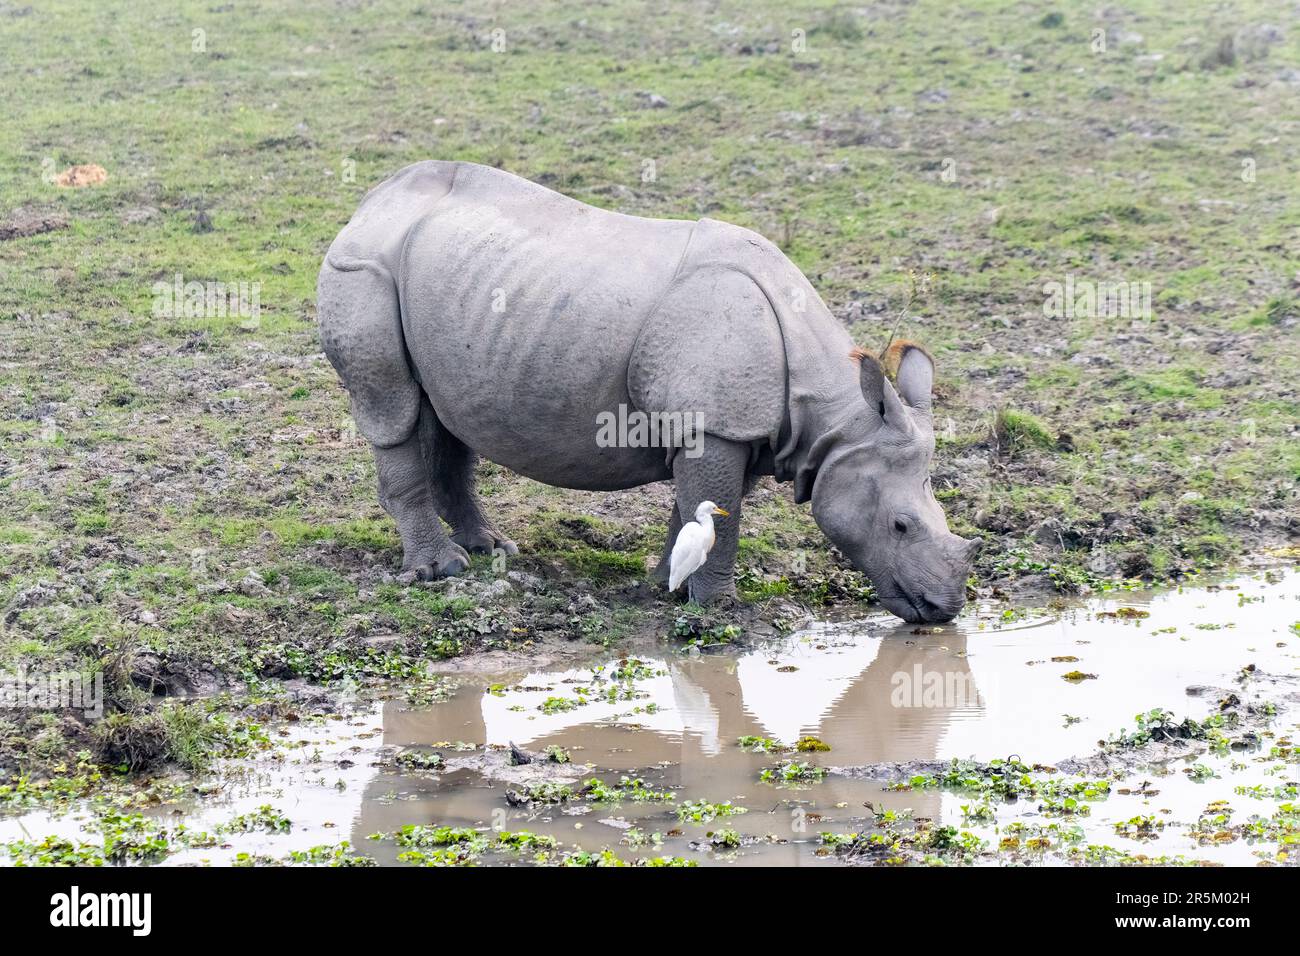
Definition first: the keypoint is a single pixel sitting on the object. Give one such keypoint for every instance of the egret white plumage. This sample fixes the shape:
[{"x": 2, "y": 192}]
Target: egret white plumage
[{"x": 693, "y": 544}]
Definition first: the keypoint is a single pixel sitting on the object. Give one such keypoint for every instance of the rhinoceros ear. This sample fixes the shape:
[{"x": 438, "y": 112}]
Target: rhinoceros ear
[
  {"x": 882, "y": 401},
  {"x": 913, "y": 369}
]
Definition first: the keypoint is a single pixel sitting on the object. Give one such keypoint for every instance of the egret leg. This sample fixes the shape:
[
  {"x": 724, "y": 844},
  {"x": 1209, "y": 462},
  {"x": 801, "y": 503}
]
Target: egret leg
[{"x": 717, "y": 475}]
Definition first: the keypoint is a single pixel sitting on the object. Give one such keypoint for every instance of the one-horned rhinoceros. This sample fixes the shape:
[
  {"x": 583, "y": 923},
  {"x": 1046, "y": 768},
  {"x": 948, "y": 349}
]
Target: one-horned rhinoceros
[{"x": 470, "y": 311}]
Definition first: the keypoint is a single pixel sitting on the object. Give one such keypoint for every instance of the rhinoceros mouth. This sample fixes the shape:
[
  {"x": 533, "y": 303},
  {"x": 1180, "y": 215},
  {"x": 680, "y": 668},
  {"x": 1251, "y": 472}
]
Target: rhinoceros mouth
[
  {"x": 916, "y": 610},
  {"x": 900, "y": 605}
]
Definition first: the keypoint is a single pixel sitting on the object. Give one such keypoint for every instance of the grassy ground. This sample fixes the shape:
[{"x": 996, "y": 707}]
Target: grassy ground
[{"x": 184, "y": 504}]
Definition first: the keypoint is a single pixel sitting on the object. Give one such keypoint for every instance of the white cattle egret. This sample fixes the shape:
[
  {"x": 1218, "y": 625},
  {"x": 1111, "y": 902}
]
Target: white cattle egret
[{"x": 693, "y": 544}]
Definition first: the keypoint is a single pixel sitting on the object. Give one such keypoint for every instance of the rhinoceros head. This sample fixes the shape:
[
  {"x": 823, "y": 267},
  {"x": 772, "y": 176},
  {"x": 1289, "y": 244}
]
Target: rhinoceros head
[{"x": 873, "y": 499}]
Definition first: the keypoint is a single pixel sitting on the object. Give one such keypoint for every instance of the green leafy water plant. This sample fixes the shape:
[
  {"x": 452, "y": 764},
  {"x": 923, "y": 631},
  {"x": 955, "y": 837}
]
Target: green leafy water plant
[
  {"x": 705, "y": 811},
  {"x": 792, "y": 772},
  {"x": 627, "y": 790}
]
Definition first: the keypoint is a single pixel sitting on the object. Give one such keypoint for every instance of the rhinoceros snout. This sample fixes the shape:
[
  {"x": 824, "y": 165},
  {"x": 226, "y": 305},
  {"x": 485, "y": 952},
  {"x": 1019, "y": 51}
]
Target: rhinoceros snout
[{"x": 924, "y": 609}]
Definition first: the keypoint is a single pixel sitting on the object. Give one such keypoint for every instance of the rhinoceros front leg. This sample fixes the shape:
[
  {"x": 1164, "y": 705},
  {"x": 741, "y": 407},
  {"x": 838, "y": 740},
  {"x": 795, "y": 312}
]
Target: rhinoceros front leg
[
  {"x": 407, "y": 494},
  {"x": 717, "y": 475}
]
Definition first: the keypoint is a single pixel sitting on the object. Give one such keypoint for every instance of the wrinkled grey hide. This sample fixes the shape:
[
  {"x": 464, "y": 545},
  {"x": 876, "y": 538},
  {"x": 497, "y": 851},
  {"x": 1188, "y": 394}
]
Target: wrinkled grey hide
[{"x": 470, "y": 311}]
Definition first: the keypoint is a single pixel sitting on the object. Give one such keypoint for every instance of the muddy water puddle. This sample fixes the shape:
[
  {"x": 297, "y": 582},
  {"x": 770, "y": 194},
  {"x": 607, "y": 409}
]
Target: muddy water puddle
[{"x": 660, "y": 733}]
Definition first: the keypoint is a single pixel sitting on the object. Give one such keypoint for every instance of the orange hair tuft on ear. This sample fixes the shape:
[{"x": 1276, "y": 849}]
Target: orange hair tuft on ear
[
  {"x": 892, "y": 357},
  {"x": 858, "y": 354}
]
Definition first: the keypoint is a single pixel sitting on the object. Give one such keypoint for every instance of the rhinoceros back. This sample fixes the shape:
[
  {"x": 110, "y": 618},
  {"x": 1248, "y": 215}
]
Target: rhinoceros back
[{"x": 520, "y": 310}]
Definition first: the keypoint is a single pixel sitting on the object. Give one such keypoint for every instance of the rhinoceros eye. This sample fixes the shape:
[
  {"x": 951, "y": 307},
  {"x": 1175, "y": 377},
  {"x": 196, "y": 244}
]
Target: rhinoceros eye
[{"x": 900, "y": 526}]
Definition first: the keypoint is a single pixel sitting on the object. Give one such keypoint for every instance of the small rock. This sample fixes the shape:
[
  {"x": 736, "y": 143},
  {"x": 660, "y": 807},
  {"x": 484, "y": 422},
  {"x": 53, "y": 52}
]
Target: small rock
[
  {"x": 252, "y": 585},
  {"x": 583, "y": 603},
  {"x": 526, "y": 581},
  {"x": 496, "y": 590}
]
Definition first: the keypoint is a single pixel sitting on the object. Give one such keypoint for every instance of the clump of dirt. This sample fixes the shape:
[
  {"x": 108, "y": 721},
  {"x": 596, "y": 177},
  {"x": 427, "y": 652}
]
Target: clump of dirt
[
  {"x": 27, "y": 222},
  {"x": 168, "y": 675},
  {"x": 78, "y": 177},
  {"x": 497, "y": 765},
  {"x": 137, "y": 741}
]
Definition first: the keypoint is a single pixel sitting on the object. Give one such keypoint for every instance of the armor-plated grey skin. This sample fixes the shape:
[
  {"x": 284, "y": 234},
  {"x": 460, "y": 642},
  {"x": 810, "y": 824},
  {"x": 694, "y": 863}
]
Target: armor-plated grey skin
[{"x": 470, "y": 311}]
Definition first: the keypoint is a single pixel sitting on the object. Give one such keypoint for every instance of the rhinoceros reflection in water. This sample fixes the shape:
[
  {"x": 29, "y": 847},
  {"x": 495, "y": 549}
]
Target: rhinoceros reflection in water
[{"x": 871, "y": 699}]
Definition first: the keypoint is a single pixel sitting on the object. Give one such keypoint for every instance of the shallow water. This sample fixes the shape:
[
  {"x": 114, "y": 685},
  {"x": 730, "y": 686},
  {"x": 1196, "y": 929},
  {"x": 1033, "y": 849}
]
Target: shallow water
[{"x": 873, "y": 689}]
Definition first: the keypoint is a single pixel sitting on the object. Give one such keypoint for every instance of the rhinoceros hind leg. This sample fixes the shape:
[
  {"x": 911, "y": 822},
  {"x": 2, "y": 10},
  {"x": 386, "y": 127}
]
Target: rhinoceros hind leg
[
  {"x": 717, "y": 475},
  {"x": 361, "y": 331},
  {"x": 450, "y": 463},
  {"x": 407, "y": 494}
]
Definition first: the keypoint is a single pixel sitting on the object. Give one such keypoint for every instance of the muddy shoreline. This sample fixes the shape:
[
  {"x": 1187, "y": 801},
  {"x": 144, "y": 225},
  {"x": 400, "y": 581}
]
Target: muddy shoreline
[{"x": 586, "y": 755}]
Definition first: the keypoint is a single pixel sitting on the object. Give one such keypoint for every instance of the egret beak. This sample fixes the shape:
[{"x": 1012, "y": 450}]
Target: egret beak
[{"x": 722, "y": 511}]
